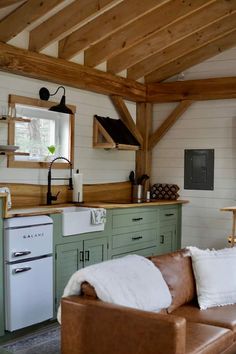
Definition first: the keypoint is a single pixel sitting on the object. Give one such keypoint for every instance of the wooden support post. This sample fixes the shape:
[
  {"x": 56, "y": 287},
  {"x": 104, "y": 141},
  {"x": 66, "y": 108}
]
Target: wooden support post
[{"x": 144, "y": 156}]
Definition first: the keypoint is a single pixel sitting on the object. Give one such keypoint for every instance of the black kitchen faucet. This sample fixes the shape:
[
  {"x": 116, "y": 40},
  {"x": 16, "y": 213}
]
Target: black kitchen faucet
[{"x": 51, "y": 197}]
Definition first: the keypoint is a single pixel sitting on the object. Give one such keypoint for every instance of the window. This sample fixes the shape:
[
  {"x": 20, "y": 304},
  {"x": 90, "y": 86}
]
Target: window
[{"x": 36, "y": 130}]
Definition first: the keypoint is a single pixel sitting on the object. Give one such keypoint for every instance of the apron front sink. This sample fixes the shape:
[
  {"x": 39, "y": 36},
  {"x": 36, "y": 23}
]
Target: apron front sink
[{"x": 77, "y": 220}]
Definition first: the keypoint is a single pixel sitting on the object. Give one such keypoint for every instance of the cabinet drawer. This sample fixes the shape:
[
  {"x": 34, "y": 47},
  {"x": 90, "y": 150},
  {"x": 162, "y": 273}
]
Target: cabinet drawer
[
  {"x": 168, "y": 214},
  {"x": 133, "y": 238},
  {"x": 132, "y": 219},
  {"x": 146, "y": 252}
]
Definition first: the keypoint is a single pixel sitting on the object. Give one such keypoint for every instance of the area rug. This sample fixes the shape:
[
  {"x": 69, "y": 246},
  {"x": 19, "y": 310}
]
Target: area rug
[{"x": 45, "y": 341}]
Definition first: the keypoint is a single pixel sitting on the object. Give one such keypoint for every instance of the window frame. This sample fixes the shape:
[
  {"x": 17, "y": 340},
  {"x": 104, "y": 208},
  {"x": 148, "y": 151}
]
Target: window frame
[{"x": 12, "y": 163}]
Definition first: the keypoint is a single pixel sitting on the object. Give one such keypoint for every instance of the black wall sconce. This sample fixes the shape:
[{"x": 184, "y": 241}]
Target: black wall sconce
[{"x": 44, "y": 95}]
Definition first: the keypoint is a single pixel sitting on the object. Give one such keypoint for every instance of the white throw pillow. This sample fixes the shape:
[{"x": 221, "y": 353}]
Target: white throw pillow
[{"x": 215, "y": 276}]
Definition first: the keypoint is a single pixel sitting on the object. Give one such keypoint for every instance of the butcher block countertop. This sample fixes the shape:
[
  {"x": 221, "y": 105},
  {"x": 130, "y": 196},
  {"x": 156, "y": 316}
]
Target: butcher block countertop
[
  {"x": 124, "y": 204},
  {"x": 54, "y": 209}
]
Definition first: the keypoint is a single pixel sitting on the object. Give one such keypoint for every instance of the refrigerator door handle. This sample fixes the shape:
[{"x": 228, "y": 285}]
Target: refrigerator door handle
[
  {"x": 21, "y": 253},
  {"x": 20, "y": 270}
]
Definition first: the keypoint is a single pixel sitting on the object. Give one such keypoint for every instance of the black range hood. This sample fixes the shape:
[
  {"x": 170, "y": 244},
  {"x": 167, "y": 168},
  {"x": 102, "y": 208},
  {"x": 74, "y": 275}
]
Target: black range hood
[{"x": 116, "y": 133}]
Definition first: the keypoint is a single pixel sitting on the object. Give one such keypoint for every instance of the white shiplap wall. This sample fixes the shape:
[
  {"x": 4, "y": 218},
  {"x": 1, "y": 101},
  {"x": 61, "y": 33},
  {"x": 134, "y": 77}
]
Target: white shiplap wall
[
  {"x": 98, "y": 166},
  {"x": 206, "y": 125}
]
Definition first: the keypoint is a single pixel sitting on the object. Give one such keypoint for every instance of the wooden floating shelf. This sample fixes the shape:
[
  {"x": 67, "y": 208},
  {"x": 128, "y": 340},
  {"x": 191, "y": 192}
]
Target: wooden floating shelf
[
  {"x": 8, "y": 119},
  {"x": 14, "y": 153}
]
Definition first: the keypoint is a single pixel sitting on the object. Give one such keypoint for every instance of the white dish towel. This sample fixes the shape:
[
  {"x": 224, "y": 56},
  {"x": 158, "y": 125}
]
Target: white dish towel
[
  {"x": 7, "y": 190},
  {"x": 98, "y": 216},
  {"x": 131, "y": 281}
]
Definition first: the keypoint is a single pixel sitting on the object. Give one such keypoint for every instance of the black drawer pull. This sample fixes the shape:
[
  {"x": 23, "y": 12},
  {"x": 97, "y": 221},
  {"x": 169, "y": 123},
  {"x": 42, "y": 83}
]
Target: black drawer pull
[
  {"x": 162, "y": 239},
  {"x": 137, "y": 238},
  {"x": 137, "y": 219},
  {"x": 81, "y": 256},
  {"x": 87, "y": 255},
  {"x": 170, "y": 214}
]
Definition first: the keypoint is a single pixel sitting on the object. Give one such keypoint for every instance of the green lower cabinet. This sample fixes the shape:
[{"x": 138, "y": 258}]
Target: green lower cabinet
[
  {"x": 95, "y": 251},
  {"x": 75, "y": 255},
  {"x": 167, "y": 239},
  {"x": 68, "y": 260},
  {"x": 146, "y": 252}
]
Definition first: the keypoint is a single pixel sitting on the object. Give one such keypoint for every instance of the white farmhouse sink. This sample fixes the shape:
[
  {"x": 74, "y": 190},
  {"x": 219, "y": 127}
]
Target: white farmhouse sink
[{"x": 77, "y": 220}]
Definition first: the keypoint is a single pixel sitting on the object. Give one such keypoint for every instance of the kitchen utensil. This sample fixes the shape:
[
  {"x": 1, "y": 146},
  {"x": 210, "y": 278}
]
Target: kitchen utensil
[
  {"x": 132, "y": 177},
  {"x": 142, "y": 179}
]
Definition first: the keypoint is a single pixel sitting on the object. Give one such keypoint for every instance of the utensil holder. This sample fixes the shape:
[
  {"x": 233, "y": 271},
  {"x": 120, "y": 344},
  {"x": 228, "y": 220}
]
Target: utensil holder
[{"x": 137, "y": 193}]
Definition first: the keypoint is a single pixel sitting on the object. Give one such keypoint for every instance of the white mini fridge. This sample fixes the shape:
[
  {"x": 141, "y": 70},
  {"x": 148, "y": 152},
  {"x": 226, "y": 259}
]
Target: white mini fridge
[{"x": 28, "y": 271}]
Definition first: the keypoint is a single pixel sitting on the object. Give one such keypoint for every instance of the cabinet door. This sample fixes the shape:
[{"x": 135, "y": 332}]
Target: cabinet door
[
  {"x": 95, "y": 251},
  {"x": 69, "y": 258},
  {"x": 167, "y": 239}
]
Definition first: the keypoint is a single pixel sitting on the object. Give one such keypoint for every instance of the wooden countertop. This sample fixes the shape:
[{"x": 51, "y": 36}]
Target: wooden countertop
[
  {"x": 54, "y": 209},
  {"x": 114, "y": 205}
]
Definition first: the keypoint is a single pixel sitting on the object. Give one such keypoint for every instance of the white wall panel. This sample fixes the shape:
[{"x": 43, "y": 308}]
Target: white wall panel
[
  {"x": 97, "y": 165},
  {"x": 205, "y": 125}
]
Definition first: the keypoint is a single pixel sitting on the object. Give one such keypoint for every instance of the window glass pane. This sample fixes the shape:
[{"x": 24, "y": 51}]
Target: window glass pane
[{"x": 46, "y": 128}]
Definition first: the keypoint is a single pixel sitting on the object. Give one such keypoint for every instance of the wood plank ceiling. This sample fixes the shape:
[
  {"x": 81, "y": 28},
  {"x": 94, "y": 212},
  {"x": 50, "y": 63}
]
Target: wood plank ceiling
[{"x": 149, "y": 40}]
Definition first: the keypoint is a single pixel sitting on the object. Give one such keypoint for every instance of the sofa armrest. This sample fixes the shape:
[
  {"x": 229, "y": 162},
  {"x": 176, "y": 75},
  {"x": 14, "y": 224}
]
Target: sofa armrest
[{"x": 96, "y": 327}]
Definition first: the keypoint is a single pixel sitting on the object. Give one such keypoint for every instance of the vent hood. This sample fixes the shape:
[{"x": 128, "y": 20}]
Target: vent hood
[{"x": 111, "y": 133}]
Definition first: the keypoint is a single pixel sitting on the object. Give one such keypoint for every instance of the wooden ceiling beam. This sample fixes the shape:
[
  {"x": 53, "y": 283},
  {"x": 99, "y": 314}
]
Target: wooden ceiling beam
[
  {"x": 64, "y": 21},
  {"x": 190, "y": 59},
  {"x": 168, "y": 123},
  {"x": 179, "y": 30},
  {"x": 115, "y": 18},
  {"x": 5, "y": 3},
  {"x": 43, "y": 67},
  {"x": 126, "y": 117},
  {"x": 23, "y": 16},
  {"x": 140, "y": 30},
  {"x": 185, "y": 46},
  {"x": 197, "y": 90}
]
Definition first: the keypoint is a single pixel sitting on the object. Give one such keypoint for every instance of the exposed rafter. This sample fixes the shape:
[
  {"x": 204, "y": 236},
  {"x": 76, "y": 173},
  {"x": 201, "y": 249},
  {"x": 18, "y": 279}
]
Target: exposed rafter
[
  {"x": 174, "y": 32},
  {"x": 168, "y": 123},
  {"x": 23, "y": 16},
  {"x": 5, "y": 3},
  {"x": 205, "y": 89},
  {"x": 112, "y": 20},
  {"x": 64, "y": 21},
  {"x": 188, "y": 60},
  {"x": 193, "y": 41},
  {"x": 43, "y": 67},
  {"x": 140, "y": 30}
]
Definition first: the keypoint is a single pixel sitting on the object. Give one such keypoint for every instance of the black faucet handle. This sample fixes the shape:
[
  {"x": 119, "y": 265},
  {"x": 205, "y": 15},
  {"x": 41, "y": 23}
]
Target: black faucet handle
[{"x": 54, "y": 197}]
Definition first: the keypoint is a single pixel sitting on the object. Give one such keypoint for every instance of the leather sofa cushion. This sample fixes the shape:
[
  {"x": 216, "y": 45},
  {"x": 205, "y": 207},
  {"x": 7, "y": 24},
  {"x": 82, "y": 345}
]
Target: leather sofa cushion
[
  {"x": 206, "y": 339},
  {"x": 88, "y": 290},
  {"x": 176, "y": 268},
  {"x": 223, "y": 316}
]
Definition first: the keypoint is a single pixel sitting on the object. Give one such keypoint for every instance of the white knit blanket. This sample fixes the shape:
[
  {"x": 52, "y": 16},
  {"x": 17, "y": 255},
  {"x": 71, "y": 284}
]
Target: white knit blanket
[{"x": 131, "y": 281}]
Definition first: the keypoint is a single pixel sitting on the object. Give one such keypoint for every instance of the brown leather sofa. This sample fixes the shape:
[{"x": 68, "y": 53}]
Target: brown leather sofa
[{"x": 90, "y": 326}]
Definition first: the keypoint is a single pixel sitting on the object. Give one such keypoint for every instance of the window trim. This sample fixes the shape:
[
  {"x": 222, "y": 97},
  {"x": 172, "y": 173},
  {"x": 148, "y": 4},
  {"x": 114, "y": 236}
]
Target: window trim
[{"x": 12, "y": 163}]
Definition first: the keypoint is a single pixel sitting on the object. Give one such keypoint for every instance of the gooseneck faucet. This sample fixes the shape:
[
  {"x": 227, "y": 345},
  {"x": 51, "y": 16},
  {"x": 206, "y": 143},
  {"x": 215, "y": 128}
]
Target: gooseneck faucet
[{"x": 51, "y": 197}]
